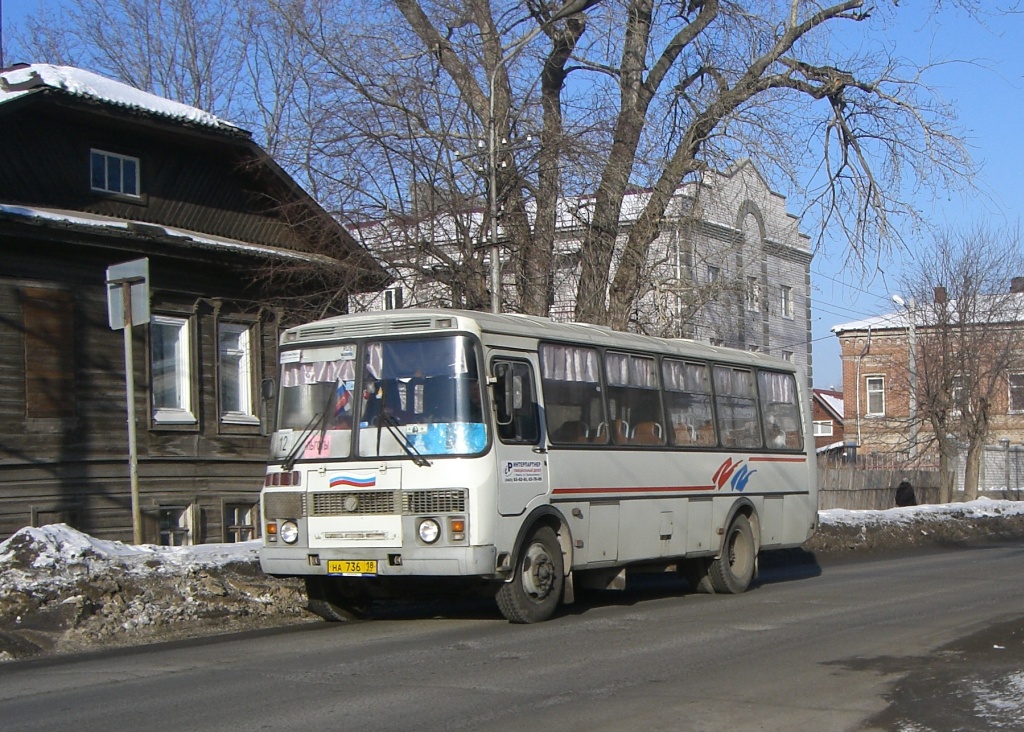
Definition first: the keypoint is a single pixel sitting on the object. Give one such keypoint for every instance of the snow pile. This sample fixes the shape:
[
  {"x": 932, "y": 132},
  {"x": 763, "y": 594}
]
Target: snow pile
[
  {"x": 61, "y": 590},
  {"x": 981, "y": 508}
]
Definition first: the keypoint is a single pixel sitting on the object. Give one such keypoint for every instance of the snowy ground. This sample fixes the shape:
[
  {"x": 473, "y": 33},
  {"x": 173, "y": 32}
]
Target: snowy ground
[{"x": 63, "y": 591}]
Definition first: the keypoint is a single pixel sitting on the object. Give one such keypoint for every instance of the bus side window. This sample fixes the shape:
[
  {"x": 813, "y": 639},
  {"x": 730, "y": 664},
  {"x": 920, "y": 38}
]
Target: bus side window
[{"x": 515, "y": 403}]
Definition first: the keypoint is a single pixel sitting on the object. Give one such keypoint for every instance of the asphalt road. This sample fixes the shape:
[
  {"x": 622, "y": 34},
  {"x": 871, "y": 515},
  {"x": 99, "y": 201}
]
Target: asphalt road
[{"x": 882, "y": 644}]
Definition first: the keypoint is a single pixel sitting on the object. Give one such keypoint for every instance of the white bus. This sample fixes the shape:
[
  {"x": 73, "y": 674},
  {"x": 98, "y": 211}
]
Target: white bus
[{"x": 423, "y": 449}]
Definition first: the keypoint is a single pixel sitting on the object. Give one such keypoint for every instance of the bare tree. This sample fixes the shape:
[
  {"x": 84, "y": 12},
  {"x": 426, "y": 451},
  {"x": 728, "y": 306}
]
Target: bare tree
[
  {"x": 667, "y": 90},
  {"x": 967, "y": 335},
  {"x": 368, "y": 102}
]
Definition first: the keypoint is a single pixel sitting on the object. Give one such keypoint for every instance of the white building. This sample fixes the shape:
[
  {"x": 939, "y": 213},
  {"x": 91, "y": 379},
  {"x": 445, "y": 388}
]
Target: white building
[{"x": 730, "y": 266}]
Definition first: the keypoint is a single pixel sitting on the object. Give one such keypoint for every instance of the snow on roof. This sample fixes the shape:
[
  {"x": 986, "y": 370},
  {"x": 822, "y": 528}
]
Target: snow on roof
[
  {"x": 187, "y": 238},
  {"x": 22, "y": 80},
  {"x": 877, "y": 322},
  {"x": 832, "y": 399}
]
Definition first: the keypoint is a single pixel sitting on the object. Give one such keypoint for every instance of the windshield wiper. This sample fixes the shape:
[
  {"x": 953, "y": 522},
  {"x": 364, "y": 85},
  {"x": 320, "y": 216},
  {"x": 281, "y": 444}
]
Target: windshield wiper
[
  {"x": 319, "y": 421},
  {"x": 293, "y": 454},
  {"x": 402, "y": 439},
  {"x": 386, "y": 420}
]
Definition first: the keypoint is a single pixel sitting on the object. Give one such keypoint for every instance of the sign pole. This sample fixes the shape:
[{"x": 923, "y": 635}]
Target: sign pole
[
  {"x": 129, "y": 381},
  {"x": 128, "y": 305}
]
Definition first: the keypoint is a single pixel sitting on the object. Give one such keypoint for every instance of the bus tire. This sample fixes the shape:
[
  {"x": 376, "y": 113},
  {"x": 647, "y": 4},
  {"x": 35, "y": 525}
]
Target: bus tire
[
  {"x": 328, "y": 599},
  {"x": 695, "y": 571},
  {"x": 535, "y": 591},
  {"x": 732, "y": 572}
]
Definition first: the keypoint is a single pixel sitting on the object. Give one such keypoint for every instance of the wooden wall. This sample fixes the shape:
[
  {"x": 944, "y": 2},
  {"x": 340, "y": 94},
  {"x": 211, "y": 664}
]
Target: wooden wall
[{"x": 73, "y": 466}]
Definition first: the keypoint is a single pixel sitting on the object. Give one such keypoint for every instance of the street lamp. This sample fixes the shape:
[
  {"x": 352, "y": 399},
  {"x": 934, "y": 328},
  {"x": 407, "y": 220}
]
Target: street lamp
[{"x": 908, "y": 307}]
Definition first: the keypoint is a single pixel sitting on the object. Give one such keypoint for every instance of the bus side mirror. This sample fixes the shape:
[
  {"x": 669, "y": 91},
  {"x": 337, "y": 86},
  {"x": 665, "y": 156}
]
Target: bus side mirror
[{"x": 267, "y": 387}]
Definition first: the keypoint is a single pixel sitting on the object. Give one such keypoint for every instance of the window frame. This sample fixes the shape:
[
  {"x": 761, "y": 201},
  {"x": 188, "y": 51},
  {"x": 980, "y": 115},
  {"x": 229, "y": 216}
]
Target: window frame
[
  {"x": 246, "y": 376},
  {"x": 184, "y": 414},
  {"x": 753, "y": 294},
  {"x": 878, "y": 392},
  {"x": 787, "y": 302},
  {"x": 184, "y": 525},
  {"x": 107, "y": 156},
  {"x": 819, "y": 425},
  {"x": 232, "y": 532},
  {"x": 1010, "y": 392}
]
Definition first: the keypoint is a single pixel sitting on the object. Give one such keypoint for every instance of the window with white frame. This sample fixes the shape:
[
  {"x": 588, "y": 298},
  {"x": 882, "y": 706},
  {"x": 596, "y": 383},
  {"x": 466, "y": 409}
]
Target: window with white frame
[
  {"x": 171, "y": 370},
  {"x": 875, "y": 390},
  {"x": 753, "y": 295},
  {"x": 823, "y": 428},
  {"x": 1016, "y": 392},
  {"x": 393, "y": 298},
  {"x": 714, "y": 274},
  {"x": 113, "y": 173},
  {"x": 787, "y": 301},
  {"x": 235, "y": 368},
  {"x": 788, "y": 356}
]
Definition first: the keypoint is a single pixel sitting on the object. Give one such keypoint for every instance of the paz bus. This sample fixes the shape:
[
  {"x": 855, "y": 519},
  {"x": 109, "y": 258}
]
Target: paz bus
[{"x": 433, "y": 450}]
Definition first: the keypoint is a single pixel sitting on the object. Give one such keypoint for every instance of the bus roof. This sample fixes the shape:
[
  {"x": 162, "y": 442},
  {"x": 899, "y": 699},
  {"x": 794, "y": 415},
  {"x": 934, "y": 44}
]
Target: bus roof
[{"x": 425, "y": 320}]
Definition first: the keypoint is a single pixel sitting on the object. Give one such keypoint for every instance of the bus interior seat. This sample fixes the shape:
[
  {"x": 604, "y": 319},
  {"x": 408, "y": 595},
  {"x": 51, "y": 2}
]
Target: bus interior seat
[{"x": 647, "y": 433}]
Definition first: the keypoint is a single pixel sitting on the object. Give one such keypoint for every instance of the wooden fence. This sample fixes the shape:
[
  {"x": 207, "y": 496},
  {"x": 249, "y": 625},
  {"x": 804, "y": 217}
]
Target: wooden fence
[{"x": 855, "y": 488}]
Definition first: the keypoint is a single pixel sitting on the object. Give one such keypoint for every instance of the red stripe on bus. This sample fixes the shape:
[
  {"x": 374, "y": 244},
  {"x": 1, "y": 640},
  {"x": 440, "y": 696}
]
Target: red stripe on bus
[
  {"x": 653, "y": 489},
  {"x": 777, "y": 459}
]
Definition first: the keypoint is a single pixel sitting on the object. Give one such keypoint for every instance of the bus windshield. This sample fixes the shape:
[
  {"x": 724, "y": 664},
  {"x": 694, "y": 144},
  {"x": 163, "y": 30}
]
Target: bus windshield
[
  {"x": 427, "y": 388},
  {"x": 416, "y": 397}
]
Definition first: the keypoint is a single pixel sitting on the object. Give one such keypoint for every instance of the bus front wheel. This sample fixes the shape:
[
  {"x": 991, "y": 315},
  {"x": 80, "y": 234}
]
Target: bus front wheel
[
  {"x": 328, "y": 599},
  {"x": 732, "y": 572},
  {"x": 535, "y": 591}
]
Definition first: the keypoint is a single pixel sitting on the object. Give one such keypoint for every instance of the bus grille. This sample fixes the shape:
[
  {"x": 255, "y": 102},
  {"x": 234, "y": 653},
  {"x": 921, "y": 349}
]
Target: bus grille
[
  {"x": 289, "y": 504},
  {"x": 359, "y": 503},
  {"x": 440, "y": 501}
]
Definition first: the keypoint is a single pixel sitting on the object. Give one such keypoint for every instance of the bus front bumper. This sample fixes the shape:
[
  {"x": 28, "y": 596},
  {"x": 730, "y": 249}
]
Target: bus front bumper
[{"x": 472, "y": 561}]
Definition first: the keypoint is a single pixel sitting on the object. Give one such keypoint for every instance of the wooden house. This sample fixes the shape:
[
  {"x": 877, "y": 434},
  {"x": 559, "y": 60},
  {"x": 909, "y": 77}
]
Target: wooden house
[{"x": 96, "y": 173}]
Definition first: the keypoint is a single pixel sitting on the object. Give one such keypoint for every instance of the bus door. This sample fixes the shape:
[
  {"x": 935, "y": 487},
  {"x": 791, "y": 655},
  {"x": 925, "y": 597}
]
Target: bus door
[{"x": 522, "y": 465}]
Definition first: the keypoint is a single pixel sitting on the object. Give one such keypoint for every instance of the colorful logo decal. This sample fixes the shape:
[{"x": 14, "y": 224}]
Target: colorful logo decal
[
  {"x": 737, "y": 471},
  {"x": 340, "y": 481}
]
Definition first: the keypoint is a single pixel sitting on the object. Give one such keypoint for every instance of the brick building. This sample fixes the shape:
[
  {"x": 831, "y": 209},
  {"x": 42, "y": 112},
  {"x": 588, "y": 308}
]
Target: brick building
[
  {"x": 884, "y": 373},
  {"x": 828, "y": 415}
]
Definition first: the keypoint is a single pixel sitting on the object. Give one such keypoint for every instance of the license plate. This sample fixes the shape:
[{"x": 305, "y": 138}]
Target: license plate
[{"x": 352, "y": 566}]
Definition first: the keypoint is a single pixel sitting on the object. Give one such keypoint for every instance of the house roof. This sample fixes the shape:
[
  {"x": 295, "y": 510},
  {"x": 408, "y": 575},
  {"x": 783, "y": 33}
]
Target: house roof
[
  {"x": 300, "y": 212},
  {"x": 984, "y": 309},
  {"x": 182, "y": 238},
  {"x": 23, "y": 80},
  {"x": 832, "y": 401}
]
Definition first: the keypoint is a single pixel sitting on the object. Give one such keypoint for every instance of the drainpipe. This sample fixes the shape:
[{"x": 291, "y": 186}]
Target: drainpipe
[{"x": 863, "y": 352}]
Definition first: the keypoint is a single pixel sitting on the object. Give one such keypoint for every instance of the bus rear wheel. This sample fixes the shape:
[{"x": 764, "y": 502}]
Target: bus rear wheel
[
  {"x": 732, "y": 572},
  {"x": 535, "y": 591},
  {"x": 329, "y": 599}
]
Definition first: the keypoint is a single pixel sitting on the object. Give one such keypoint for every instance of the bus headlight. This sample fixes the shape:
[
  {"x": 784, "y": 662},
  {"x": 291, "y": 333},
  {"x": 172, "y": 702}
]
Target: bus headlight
[
  {"x": 429, "y": 531},
  {"x": 289, "y": 532}
]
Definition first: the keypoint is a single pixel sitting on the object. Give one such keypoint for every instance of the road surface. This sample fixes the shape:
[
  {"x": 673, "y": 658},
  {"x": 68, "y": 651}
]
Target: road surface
[{"x": 896, "y": 643}]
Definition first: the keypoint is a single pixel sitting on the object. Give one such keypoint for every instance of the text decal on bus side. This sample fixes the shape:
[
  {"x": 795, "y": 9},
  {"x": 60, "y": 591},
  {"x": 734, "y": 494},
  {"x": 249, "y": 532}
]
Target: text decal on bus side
[
  {"x": 735, "y": 473},
  {"x": 523, "y": 471}
]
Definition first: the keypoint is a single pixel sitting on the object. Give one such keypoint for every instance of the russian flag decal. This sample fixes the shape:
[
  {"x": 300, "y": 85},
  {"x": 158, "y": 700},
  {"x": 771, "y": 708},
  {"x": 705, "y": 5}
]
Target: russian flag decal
[{"x": 342, "y": 481}]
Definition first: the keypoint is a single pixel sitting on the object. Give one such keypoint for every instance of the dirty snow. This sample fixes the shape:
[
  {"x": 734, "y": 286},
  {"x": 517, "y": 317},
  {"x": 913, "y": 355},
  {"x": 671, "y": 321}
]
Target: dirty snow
[{"x": 64, "y": 591}]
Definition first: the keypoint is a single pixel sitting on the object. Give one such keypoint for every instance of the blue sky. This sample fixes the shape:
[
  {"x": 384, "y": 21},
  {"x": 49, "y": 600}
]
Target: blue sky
[{"x": 984, "y": 78}]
